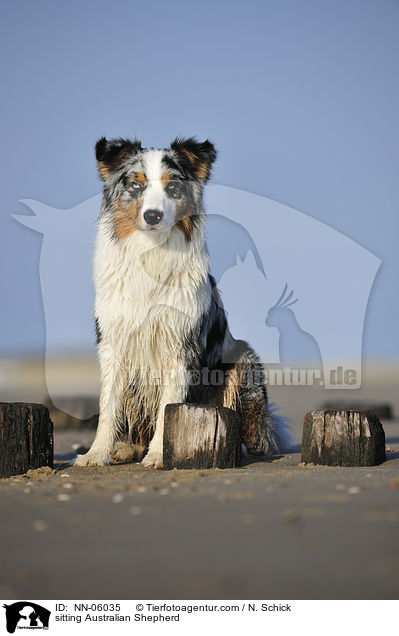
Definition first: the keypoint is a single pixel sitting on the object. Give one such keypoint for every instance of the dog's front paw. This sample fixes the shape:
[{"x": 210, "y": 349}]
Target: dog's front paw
[
  {"x": 93, "y": 458},
  {"x": 153, "y": 459}
]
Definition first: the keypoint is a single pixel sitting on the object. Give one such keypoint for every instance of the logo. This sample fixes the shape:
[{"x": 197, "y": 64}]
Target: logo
[{"x": 26, "y": 615}]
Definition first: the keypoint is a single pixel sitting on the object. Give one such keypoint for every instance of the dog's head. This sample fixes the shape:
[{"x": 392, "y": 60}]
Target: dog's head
[{"x": 147, "y": 189}]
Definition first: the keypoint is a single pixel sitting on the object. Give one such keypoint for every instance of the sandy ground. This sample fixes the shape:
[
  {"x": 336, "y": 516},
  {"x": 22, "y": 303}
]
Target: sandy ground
[
  {"x": 267, "y": 530},
  {"x": 270, "y": 529}
]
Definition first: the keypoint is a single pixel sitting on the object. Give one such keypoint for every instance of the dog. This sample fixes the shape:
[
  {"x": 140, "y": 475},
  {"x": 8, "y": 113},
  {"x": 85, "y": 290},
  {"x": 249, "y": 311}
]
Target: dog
[{"x": 161, "y": 328}]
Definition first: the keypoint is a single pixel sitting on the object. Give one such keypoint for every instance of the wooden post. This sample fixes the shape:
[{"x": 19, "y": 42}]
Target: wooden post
[
  {"x": 26, "y": 438},
  {"x": 201, "y": 436},
  {"x": 343, "y": 438}
]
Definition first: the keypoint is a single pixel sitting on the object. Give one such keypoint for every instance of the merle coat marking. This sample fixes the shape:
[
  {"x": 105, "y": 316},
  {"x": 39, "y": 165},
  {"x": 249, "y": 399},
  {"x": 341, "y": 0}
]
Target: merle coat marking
[{"x": 161, "y": 327}]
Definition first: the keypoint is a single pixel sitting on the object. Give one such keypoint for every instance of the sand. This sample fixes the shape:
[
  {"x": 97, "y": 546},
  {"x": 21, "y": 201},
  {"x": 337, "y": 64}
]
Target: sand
[{"x": 267, "y": 530}]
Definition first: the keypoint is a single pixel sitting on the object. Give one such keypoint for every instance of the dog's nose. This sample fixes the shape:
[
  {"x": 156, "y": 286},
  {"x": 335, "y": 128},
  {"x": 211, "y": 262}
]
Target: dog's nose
[{"x": 152, "y": 217}]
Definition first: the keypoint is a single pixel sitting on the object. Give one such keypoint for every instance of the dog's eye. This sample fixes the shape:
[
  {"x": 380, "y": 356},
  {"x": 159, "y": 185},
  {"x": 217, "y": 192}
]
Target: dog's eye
[
  {"x": 174, "y": 189},
  {"x": 135, "y": 188}
]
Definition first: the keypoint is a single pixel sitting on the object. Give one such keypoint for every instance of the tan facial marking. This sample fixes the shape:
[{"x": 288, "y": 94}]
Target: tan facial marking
[
  {"x": 125, "y": 218},
  {"x": 140, "y": 177},
  {"x": 184, "y": 221},
  {"x": 165, "y": 178},
  {"x": 186, "y": 225}
]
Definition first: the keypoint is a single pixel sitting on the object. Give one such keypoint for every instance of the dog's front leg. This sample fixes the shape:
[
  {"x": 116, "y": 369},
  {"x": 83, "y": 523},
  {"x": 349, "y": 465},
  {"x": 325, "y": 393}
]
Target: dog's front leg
[
  {"x": 174, "y": 390},
  {"x": 114, "y": 378}
]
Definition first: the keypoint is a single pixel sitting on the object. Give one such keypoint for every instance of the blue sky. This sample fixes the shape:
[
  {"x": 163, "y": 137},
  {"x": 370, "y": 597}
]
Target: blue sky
[{"x": 300, "y": 97}]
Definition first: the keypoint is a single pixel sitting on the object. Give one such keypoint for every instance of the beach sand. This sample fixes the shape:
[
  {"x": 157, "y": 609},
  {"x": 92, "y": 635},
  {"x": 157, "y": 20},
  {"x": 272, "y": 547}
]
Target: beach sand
[{"x": 267, "y": 530}]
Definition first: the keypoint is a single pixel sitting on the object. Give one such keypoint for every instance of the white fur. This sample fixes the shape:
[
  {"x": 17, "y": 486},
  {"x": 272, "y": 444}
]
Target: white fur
[
  {"x": 155, "y": 197},
  {"x": 151, "y": 289}
]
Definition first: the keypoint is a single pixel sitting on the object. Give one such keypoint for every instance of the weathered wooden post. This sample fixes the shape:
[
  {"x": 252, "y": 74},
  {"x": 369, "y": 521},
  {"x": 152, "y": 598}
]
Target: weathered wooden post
[
  {"x": 201, "y": 436},
  {"x": 343, "y": 438},
  {"x": 26, "y": 438}
]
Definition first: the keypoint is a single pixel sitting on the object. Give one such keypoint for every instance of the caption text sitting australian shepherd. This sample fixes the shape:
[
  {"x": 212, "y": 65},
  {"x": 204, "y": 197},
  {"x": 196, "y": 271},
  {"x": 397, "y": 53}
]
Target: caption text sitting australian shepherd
[{"x": 162, "y": 330}]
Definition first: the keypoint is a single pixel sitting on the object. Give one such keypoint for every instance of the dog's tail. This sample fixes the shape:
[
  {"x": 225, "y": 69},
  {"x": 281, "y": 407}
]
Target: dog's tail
[
  {"x": 264, "y": 432},
  {"x": 282, "y": 429}
]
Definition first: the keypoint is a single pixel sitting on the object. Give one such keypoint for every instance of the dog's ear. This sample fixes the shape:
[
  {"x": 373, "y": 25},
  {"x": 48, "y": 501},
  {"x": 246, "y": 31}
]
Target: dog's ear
[
  {"x": 111, "y": 154},
  {"x": 196, "y": 157}
]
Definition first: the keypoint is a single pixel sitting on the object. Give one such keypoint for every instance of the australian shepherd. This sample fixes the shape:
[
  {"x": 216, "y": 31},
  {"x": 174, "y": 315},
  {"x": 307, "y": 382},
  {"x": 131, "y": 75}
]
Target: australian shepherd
[{"x": 161, "y": 328}]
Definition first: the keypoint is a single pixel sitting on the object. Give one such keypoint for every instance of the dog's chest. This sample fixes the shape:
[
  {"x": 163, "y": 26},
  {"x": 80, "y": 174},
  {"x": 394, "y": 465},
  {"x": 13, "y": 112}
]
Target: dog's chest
[{"x": 146, "y": 305}]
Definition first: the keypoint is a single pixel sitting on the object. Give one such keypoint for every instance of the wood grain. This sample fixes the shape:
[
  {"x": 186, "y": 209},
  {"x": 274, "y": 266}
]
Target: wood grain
[
  {"x": 26, "y": 437},
  {"x": 201, "y": 436},
  {"x": 343, "y": 438}
]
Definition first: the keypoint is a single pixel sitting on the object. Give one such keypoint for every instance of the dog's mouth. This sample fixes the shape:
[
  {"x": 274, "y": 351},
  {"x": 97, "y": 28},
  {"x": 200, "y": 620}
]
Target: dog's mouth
[
  {"x": 155, "y": 230},
  {"x": 161, "y": 226}
]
